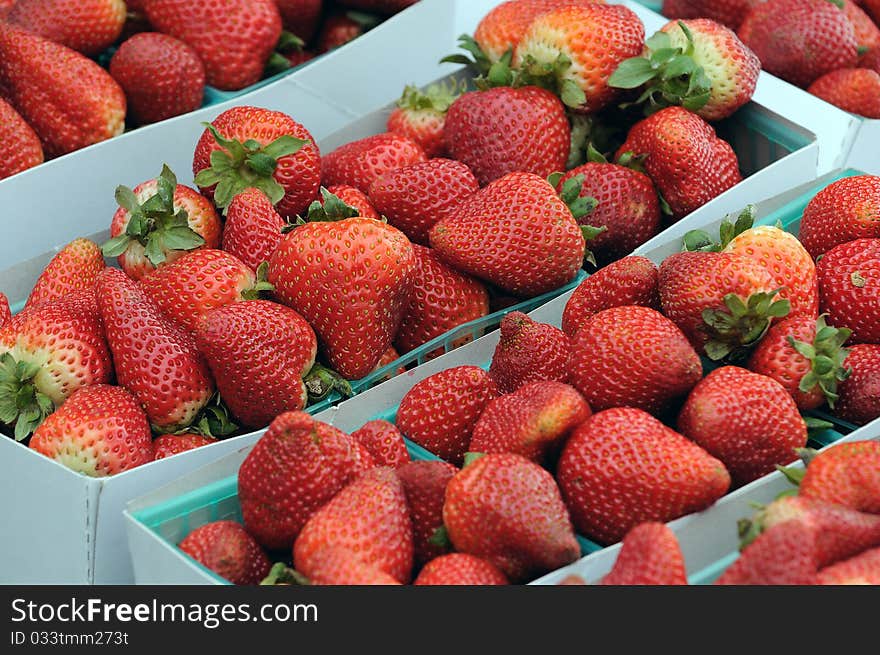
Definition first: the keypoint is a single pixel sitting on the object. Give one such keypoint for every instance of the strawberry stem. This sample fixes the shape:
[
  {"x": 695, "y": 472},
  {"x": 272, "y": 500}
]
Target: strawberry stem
[{"x": 21, "y": 402}]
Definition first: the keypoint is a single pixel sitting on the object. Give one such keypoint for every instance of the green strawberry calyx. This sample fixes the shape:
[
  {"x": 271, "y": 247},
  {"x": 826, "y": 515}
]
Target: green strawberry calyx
[
  {"x": 701, "y": 241},
  {"x": 440, "y": 538},
  {"x": 288, "y": 43},
  {"x": 320, "y": 381},
  {"x": 155, "y": 224},
  {"x": 826, "y": 356},
  {"x": 473, "y": 56},
  {"x": 21, "y": 402},
  {"x": 329, "y": 209},
  {"x": 281, "y": 574},
  {"x": 551, "y": 75},
  {"x": 742, "y": 324},
  {"x": 437, "y": 97},
  {"x": 214, "y": 420},
  {"x": 237, "y": 166},
  {"x": 580, "y": 207},
  {"x": 262, "y": 287}
]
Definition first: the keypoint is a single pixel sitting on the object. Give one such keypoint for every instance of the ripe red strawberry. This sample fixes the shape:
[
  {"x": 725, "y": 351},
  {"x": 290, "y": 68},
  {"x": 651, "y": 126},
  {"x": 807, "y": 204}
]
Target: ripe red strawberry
[
  {"x": 253, "y": 228},
  {"x": 528, "y": 351},
  {"x": 415, "y": 197},
  {"x": 687, "y": 162},
  {"x": 88, "y": 26},
  {"x": 5, "y": 314},
  {"x": 849, "y": 288},
  {"x": 460, "y": 569},
  {"x": 843, "y": 211},
  {"x": 300, "y": 16},
  {"x": 855, "y": 90},
  {"x": 867, "y": 33},
  {"x": 75, "y": 268},
  {"x": 623, "y": 467},
  {"x": 363, "y": 264},
  {"x": 441, "y": 300},
  {"x": 337, "y": 30},
  {"x": 421, "y": 116},
  {"x": 872, "y": 8},
  {"x": 337, "y": 565},
  {"x": 632, "y": 357},
  {"x": 534, "y": 421},
  {"x": 515, "y": 233},
  {"x": 384, "y": 442},
  {"x": 846, "y": 474},
  {"x": 727, "y": 12},
  {"x": 800, "y": 40},
  {"x": 20, "y": 147},
  {"x": 871, "y": 59},
  {"x": 78, "y": 103},
  {"x": 228, "y": 550},
  {"x": 6, "y": 7},
  {"x": 650, "y": 555},
  {"x": 502, "y": 130},
  {"x": 370, "y": 517},
  {"x": 259, "y": 353},
  {"x": 783, "y": 555},
  {"x": 161, "y": 76},
  {"x": 386, "y": 7},
  {"x": 258, "y": 148},
  {"x": 356, "y": 198},
  {"x": 860, "y": 394},
  {"x": 425, "y": 485},
  {"x": 154, "y": 359},
  {"x": 360, "y": 163},
  {"x": 629, "y": 281},
  {"x": 389, "y": 357},
  {"x": 46, "y": 354},
  {"x": 294, "y": 469},
  {"x": 157, "y": 222},
  {"x": 101, "y": 430},
  {"x": 167, "y": 445},
  {"x": 439, "y": 413},
  {"x": 861, "y": 569}
]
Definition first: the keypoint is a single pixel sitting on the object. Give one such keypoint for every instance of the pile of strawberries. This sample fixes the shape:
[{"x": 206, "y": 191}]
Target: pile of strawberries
[{"x": 829, "y": 47}]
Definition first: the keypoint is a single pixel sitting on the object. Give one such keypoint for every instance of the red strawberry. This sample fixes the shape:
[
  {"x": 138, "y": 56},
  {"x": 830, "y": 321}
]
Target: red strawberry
[
  {"x": 855, "y": 90},
  {"x": 800, "y": 40},
  {"x": 872, "y": 8},
  {"x": 528, "y": 351},
  {"x": 439, "y": 413},
  {"x": 360, "y": 163},
  {"x": 727, "y": 12},
  {"x": 415, "y": 197},
  {"x": 253, "y": 228},
  {"x": 843, "y": 211},
  {"x": 336, "y": 565},
  {"x": 370, "y": 518},
  {"x": 75, "y": 268},
  {"x": 650, "y": 555},
  {"x": 623, "y": 467},
  {"x": 101, "y": 430},
  {"x": 460, "y": 569},
  {"x": 356, "y": 198},
  {"x": 849, "y": 288},
  {"x": 228, "y": 550},
  {"x": 157, "y": 222},
  {"x": 20, "y": 147},
  {"x": 389, "y": 357},
  {"x": 507, "y": 510},
  {"x": 515, "y": 233},
  {"x": 294, "y": 469},
  {"x": 534, "y": 421},
  {"x": 632, "y": 357},
  {"x": 441, "y": 300},
  {"x": 167, "y": 445},
  {"x": 847, "y": 474},
  {"x": 629, "y": 281},
  {"x": 783, "y": 555},
  {"x": 871, "y": 59},
  {"x": 5, "y": 314},
  {"x": 6, "y": 7},
  {"x": 161, "y": 76},
  {"x": 78, "y": 103},
  {"x": 337, "y": 30},
  {"x": 861, "y": 569},
  {"x": 299, "y": 57},
  {"x": 384, "y": 442},
  {"x": 155, "y": 360},
  {"x": 425, "y": 485},
  {"x": 88, "y": 26},
  {"x": 502, "y": 130},
  {"x": 300, "y": 16},
  {"x": 258, "y": 148},
  {"x": 688, "y": 163},
  {"x": 421, "y": 116},
  {"x": 860, "y": 394},
  {"x": 259, "y": 352},
  {"x": 386, "y": 7}
]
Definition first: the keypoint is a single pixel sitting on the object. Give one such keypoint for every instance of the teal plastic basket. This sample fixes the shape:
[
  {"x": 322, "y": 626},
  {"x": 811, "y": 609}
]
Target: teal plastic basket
[{"x": 653, "y": 5}]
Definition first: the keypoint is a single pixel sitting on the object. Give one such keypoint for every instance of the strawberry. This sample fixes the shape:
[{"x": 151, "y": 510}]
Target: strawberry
[
  {"x": 727, "y": 12},
  {"x": 800, "y": 40},
  {"x": 515, "y": 233},
  {"x": 415, "y": 197},
  {"x": 629, "y": 281},
  {"x": 872, "y": 8},
  {"x": 20, "y": 149},
  {"x": 421, "y": 116},
  {"x": 502, "y": 130},
  {"x": 253, "y": 228},
  {"x": 157, "y": 222},
  {"x": 439, "y": 413},
  {"x": 78, "y": 103},
  {"x": 871, "y": 60},
  {"x": 384, "y": 442},
  {"x": 370, "y": 518},
  {"x": 534, "y": 421},
  {"x": 155, "y": 359},
  {"x": 528, "y": 351},
  {"x": 295, "y": 468},
  {"x": 783, "y": 555},
  {"x": 355, "y": 198},
  {"x": 300, "y": 16},
  {"x": 866, "y": 32},
  {"x": 425, "y": 485},
  {"x": 572, "y": 579},
  {"x": 860, "y": 394},
  {"x": 623, "y": 467},
  {"x": 855, "y": 90},
  {"x": 161, "y": 76},
  {"x": 386, "y": 7},
  {"x": 228, "y": 550},
  {"x": 389, "y": 357},
  {"x": 687, "y": 162},
  {"x": 460, "y": 569},
  {"x": 167, "y": 445},
  {"x": 46, "y": 354},
  {"x": 360, "y": 163},
  {"x": 6, "y": 7},
  {"x": 861, "y": 569},
  {"x": 846, "y": 474},
  {"x": 843, "y": 211},
  {"x": 849, "y": 288},
  {"x": 5, "y": 314},
  {"x": 75, "y": 268},
  {"x": 632, "y": 357},
  {"x": 258, "y": 148},
  {"x": 650, "y": 555},
  {"x": 101, "y": 430},
  {"x": 88, "y": 26},
  {"x": 259, "y": 353},
  {"x": 337, "y": 565},
  {"x": 441, "y": 300},
  {"x": 337, "y": 30}
]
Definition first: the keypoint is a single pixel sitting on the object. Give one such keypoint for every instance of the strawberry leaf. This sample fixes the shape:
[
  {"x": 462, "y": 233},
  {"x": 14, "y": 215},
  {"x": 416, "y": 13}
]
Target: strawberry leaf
[
  {"x": 116, "y": 246},
  {"x": 632, "y": 73},
  {"x": 126, "y": 199}
]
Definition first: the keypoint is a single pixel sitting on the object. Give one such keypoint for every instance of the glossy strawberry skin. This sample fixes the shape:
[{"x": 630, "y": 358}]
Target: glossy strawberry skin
[
  {"x": 21, "y": 147},
  {"x": 849, "y": 288},
  {"x": 424, "y": 126},
  {"x": 855, "y": 90},
  {"x": 253, "y": 228},
  {"x": 528, "y": 351},
  {"x": 424, "y": 483},
  {"x": 167, "y": 445},
  {"x": 87, "y": 26},
  {"x": 336, "y": 565},
  {"x": 300, "y": 16},
  {"x": 650, "y": 555},
  {"x": 460, "y": 569},
  {"x": 356, "y": 198},
  {"x": 843, "y": 211},
  {"x": 5, "y": 313},
  {"x": 384, "y": 442},
  {"x": 861, "y": 569},
  {"x": 846, "y": 474},
  {"x": 360, "y": 163},
  {"x": 337, "y": 30},
  {"x": 783, "y": 555},
  {"x": 76, "y": 267},
  {"x": 860, "y": 393},
  {"x": 228, "y": 550}
]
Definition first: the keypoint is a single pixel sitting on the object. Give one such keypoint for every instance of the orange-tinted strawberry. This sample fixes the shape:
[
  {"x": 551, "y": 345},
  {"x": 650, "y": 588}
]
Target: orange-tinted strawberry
[
  {"x": 460, "y": 569},
  {"x": 783, "y": 555},
  {"x": 623, "y": 467},
  {"x": 845, "y": 474},
  {"x": 167, "y": 445},
  {"x": 528, "y": 351},
  {"x": 337, "y": 565},
  {"x": 360, "y": 163},
  {"x": 76, "y": 267},
  {"x": 843, "y": 211},
  {"x": 860, "y": 394},
  {"x": 384, "y": 442},
  {"x": 861, "y": 569},
  {"x": 228, "y": 550},
  {"x": 20, "y": 147},
  {"x": 856, "y": 90},
  {"x": 650, "y": 555},
  {"x": 356, "y": 198},
  {"x": 425, "y": 485},
  {"x": 421, "y": 116},
  {"x": 88, "y": 26},
  {"x": 849, "y": 288},
  {"x": 727, "y": 12},
  {"x": 5, "y": 313},
  {"x": 253, "y": 228},
  {"x": 866, "y": 31}
]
